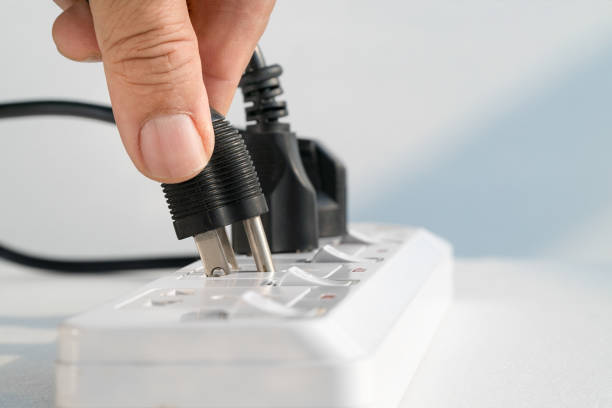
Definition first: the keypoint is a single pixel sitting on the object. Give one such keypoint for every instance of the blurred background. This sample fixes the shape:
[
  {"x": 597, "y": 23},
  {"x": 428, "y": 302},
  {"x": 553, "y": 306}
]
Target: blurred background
[{"x": 487, "y": 122}]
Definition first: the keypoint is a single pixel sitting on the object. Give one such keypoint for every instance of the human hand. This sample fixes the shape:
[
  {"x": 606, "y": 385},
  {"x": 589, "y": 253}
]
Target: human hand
[{"x": 166, "y": 62}]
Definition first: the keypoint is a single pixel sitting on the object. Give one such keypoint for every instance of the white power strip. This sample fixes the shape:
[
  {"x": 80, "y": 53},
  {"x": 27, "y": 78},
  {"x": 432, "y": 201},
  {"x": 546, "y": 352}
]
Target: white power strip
[{"x": 344, "y": 326}]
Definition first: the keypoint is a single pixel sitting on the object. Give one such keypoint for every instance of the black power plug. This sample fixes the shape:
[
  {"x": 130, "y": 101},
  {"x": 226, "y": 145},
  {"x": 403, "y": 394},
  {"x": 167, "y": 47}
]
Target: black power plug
[
  {"x": 292, "y": 223},
  {"x": 328, "y": 176},
  {"x": 305, "y": 202},
  {"x": 225, "y": 192}
]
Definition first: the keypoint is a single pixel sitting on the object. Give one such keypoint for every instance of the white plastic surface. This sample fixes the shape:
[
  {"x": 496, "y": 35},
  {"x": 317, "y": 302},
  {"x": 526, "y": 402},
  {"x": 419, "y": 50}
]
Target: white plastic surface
[{"x": 345, "y": 326}]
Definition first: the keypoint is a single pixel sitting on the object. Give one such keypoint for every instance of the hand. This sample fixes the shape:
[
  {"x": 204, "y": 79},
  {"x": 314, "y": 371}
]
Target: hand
[{"x": 165, "y": 61}]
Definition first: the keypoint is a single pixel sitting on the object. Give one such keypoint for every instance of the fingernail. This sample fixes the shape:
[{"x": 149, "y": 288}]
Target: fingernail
[
  {"x": 172, "y": 148},
  {"x": 64, "y": 4},
  {"x": 93, "y": 58}
]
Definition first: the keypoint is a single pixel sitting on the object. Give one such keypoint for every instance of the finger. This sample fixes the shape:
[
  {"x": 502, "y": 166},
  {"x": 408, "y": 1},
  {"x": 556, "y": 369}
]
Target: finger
[
  {"x": 73, "y": 33},
  {"x": 227, "y": 31},
  {"x": 154, "y": 76}
]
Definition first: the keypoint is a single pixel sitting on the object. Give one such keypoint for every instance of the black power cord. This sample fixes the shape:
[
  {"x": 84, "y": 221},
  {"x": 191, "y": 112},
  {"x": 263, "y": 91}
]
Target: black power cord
[
  {"x": 92, "y": 265},
  {"x": 57, "y": 108},
  {"x": 89, "y": 111}
]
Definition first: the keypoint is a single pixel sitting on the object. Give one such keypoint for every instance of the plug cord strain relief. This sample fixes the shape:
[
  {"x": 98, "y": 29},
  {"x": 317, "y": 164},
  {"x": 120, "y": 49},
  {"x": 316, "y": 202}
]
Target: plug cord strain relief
[{"x": 260, "y": 86}]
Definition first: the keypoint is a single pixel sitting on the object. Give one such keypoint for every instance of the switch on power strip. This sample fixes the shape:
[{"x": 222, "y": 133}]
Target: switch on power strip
[{"x": 343, "y": 326}]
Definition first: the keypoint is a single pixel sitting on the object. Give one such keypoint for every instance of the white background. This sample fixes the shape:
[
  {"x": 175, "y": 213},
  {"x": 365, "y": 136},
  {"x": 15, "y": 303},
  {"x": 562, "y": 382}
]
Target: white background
[{"x": 486, "y": 121}]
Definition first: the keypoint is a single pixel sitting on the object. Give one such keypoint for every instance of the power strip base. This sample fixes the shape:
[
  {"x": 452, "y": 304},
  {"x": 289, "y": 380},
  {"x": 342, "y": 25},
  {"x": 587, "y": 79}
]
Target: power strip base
[{"x": 343, "y": 326}]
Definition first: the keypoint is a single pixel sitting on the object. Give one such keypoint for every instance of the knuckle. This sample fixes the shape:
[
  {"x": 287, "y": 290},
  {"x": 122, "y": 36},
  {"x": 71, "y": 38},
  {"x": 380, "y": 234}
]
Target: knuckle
[{"x": 158, "y": 56}]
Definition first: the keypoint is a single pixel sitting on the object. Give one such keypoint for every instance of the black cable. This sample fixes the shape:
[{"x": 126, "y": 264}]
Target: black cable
[
  {"x": 257, "y": 60},
  {"x": 89, "y": 111},
  {"x": 57, "y": 108},
  {"x": 94, "y": 265}
]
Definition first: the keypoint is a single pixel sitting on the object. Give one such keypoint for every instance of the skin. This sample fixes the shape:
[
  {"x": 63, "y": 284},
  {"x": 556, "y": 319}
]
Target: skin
[{"x": 166, "y": 62}]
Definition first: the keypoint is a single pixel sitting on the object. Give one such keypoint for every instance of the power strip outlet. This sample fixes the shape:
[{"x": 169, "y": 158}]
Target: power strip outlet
[{"x": 343, "y": 326}]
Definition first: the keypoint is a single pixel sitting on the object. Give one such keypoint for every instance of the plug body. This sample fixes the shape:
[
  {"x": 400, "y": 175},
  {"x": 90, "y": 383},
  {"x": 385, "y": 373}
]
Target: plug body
[
  {"x": 328, "y": 177},
  {"x": 227, "y": 191},
  {"x": 292, "y": 223}
]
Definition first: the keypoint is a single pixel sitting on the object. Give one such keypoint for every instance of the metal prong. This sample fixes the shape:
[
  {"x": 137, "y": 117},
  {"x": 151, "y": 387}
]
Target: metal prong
[
  {"x": 227, "y": 248},
  {"x": 259, "y": 244},
  {"x": 212, "y": 253}
]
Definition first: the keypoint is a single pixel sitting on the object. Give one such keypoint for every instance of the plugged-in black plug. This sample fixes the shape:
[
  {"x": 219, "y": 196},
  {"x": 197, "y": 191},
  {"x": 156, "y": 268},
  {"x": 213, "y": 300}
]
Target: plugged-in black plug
[
  {"x": 292, "y": 224},
  {"x": 328, "y": 176}
]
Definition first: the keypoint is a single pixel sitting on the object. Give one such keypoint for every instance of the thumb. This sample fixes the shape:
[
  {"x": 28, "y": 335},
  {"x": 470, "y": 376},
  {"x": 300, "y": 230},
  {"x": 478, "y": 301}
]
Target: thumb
[{"x": 154, "y": 77}]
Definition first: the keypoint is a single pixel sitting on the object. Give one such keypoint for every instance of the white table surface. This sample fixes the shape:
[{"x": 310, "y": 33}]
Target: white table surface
[{"x": 518, "y": 334}]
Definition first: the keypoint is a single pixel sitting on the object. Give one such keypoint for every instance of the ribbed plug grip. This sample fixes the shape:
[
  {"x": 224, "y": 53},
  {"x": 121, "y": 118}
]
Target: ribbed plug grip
[{"x": 226, "y": 191}]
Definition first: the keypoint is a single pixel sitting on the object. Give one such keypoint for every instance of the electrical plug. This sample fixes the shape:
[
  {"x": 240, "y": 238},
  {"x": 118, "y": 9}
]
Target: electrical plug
[
  {"x": 304, "y": 185},
  {"x": 226, "y": 192}
]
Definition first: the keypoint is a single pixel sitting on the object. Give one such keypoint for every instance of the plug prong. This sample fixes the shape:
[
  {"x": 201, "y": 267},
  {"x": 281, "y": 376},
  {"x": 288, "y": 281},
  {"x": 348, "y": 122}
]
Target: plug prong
[
  {"x": 212, "y": 253},
  {"x": 227, "y": 248},
  {"x": 259, "y": 244}
]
